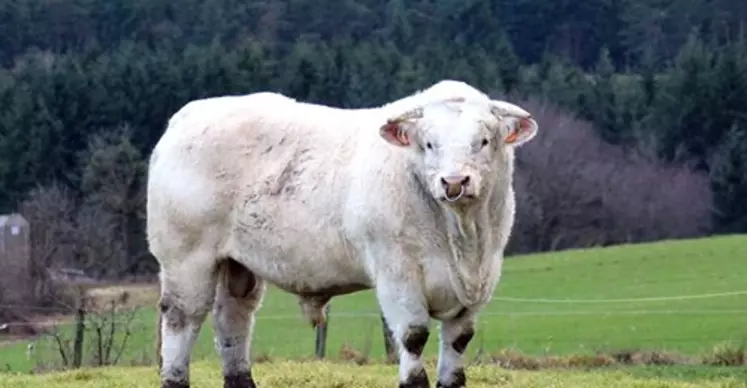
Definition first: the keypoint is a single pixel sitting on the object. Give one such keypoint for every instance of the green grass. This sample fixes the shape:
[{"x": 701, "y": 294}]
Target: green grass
[
  {"x": 328, "y": 375},
  {"x": 672, "y": 270}
]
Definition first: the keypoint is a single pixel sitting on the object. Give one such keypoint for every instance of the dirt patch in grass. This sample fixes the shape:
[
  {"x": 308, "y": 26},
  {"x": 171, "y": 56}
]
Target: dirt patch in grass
[
  {"x": 137, "y": 294},
  {"x": 724, "y": 354},
  {"x": 142, "y": 294}
]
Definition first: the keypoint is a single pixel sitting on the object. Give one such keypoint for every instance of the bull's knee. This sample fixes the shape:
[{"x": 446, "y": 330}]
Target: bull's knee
[
  {"x": 173, "y": 316},
  {"x": 415, "y": 339},
  {"x": 413, "y": 342},
  {"x": 460, "y": 343}
]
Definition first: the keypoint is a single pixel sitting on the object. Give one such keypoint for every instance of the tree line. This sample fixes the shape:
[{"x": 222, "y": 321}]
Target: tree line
[{"x": 642, "y": 104}]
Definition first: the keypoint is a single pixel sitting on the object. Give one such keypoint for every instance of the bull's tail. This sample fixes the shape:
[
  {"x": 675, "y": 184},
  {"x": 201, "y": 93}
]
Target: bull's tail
[{"x": 159, "y": 319}]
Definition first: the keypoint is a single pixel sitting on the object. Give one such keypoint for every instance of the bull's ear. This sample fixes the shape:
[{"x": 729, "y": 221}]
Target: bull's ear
[
  {"x": 522, "y": 127},
  {"x": 521, "y": 130},
  {"x": 398, "y": 130},
  {"x": 396, "y": 133}
]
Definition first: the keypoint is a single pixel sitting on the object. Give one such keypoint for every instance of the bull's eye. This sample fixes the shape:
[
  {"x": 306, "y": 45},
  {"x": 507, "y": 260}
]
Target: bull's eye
[
  {"x": 484, "y": 142},
  {"x": 429, "y": 145}
]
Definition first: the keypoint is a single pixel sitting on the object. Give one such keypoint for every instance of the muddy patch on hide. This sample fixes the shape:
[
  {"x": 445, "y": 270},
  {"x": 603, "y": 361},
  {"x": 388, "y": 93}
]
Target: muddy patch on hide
[
  {"x": 173, "y": 315},
  {"x": 287, "y": 182}
]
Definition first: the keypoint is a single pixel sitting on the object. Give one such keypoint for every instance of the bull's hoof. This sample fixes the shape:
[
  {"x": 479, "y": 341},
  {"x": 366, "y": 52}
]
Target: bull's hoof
[
  {"x": 174, "y": 384},
  {"x": 458, "y": 380},
  {"x": 417, "y": 380},
  {"x": 243, "y": 380}
]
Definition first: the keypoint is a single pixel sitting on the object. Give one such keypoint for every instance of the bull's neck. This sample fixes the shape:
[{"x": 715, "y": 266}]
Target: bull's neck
[
  {"x": 470, "y": 229},
  {"x": 468, "y": 233},
  {"x": 471, "y": 234}
]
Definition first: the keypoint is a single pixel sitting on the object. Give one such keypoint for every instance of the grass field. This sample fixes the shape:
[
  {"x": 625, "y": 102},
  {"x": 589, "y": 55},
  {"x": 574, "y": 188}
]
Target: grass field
[
  {"x": 683, "y": 296},
  {"x": 328, "y": 375}
]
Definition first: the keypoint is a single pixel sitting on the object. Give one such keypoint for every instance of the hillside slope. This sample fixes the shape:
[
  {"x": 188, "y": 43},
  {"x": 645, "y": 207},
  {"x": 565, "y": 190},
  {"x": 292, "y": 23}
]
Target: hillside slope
[{"x": 682, "y": 296}]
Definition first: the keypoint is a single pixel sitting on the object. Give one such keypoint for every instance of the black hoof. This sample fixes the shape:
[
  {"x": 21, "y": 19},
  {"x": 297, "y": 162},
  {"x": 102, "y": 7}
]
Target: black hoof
[
  {"x": 174, "y": 384},
  {"x": 458, "y": 380},
  {"x": 243, "y": 380},
  {"x": 417, "y": 380}
]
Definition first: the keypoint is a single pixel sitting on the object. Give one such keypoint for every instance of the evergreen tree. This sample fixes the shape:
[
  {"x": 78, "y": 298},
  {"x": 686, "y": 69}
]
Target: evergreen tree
[{"x": 729, "y": 182}]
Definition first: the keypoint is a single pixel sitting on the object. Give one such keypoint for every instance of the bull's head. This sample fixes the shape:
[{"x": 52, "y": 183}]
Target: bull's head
[{"x": 460, "y": 147}]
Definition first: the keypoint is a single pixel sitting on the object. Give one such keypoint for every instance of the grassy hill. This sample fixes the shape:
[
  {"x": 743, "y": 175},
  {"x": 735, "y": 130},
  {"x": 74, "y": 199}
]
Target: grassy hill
[{"x": 679, "y": 296}]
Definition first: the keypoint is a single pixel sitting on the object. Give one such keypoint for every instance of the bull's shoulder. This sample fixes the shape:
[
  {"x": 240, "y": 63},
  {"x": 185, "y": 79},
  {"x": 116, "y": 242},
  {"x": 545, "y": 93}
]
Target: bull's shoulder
[{"x": 383, "y": 196}]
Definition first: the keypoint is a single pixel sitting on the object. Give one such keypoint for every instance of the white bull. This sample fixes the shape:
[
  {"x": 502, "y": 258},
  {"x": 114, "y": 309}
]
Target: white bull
[{"x": 413, "y": 199}]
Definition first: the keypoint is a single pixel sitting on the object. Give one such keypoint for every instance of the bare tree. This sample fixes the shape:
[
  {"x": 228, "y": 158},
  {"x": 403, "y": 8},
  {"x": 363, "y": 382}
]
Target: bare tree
[
  {"x": 100, "y": 335},
  {"x": 99, "y": 251},
  {"x": 575, "y": 190},
  {"x": 51, "y": 213},
  {"x": 113, "y": 184},
  {"x": 64, "y": 233},
  {"x": 111, "y": 328}
]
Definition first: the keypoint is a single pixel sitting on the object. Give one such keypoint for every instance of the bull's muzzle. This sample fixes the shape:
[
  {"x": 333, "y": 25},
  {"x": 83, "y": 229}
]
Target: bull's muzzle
[{"x": 455, "y": 186}]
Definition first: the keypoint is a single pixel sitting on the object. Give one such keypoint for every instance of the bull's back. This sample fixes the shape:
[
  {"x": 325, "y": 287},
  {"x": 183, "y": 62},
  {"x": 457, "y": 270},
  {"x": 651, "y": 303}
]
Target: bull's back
[
  {"x": 196, "y": 166},
  {"x": 257, "y": 178}
]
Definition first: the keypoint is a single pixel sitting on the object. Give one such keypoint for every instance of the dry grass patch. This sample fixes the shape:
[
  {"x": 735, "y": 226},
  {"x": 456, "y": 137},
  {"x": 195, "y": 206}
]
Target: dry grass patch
[
  {"x": 138, "y": 295},
  {"x": 727, "y": 354}
]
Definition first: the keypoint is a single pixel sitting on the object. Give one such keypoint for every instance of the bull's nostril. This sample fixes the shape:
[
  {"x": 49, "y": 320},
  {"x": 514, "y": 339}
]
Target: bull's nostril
[{"x": 455, "y": 181}]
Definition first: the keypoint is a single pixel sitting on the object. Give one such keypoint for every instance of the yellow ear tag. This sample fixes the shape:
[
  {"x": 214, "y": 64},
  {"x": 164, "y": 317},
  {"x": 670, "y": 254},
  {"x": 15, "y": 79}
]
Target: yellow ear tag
[{"x": 512, "y": 137}]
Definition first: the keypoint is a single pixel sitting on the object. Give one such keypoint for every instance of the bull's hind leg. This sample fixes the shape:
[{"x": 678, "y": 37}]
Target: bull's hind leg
[
  {"x": 406, "y": 314},
  {"x": 239, "y": 295},
  {"x": 456, "y": 334},
  {"x": 187, "y": 293}
]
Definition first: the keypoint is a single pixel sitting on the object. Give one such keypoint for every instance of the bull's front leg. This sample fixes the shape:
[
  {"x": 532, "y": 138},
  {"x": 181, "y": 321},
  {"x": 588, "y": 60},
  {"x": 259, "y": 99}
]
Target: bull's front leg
[
  {"x": 456, "y": 333},
  {"x": 406, "y": 314}
]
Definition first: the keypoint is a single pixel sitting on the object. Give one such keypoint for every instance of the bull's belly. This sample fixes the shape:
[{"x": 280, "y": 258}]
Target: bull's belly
[
  {"x": 314, "y": 276},
  {"x": 305, "y": 264}
]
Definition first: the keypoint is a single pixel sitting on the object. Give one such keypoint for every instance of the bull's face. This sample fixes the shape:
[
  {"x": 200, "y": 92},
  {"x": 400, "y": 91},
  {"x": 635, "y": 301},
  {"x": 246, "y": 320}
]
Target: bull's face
[{"x": 460, "y": 148}]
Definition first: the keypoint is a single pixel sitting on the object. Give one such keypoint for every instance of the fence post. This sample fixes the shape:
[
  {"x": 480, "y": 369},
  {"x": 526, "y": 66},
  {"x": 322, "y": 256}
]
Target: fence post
[
  {"x": 391, "y": 353},
  {"x": 321, "y": 335},
  {"x": 80, "y": 325}
]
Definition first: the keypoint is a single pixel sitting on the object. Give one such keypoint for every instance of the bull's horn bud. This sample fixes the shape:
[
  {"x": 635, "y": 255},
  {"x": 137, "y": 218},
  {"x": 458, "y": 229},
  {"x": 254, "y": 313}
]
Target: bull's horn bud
[
  {"x": 503, "y": 109},
  {"x": 409, "y": 115}
]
